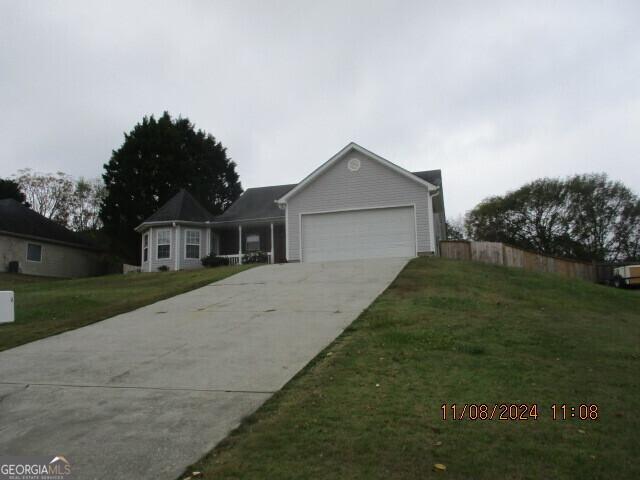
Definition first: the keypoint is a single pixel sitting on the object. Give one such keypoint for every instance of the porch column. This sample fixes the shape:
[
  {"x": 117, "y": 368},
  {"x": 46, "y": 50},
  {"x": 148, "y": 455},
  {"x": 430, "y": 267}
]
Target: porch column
[
  {"x": 272, "y": 249},
  {"x": 240, "y": 244},
  {"x": 208, "y": 242},
  {"x": 178, "y": 249},
  {"x": 151, "y": 249},
  {"x": 142, "y": 252}
]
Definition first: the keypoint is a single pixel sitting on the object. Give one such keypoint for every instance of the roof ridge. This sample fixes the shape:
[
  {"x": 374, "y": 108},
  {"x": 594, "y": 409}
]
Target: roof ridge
[{"x": 272, "y": 186}]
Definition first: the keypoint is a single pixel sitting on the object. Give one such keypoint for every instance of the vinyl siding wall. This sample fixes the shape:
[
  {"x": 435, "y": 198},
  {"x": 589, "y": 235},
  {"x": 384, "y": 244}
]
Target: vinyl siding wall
[
  {"x": 179, "y": 231},
  {"x": 191, "y": 263},
  {"x": 56, "y": 260},
  {"x": 373, "y": 185}
]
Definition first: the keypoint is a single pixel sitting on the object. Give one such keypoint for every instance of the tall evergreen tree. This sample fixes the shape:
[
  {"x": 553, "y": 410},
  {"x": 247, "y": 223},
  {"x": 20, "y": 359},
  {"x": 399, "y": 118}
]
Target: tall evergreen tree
[
  {"x": 11, "y": 189},
  {"x": 157, "y": 159}
]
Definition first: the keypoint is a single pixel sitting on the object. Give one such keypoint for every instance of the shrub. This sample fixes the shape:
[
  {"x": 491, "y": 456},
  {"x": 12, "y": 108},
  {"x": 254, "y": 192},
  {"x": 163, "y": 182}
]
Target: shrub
[
  {"x": 255, "y": 257},
  {"x": 163, "y": 268},
  {"x": 212, "y": 260}
]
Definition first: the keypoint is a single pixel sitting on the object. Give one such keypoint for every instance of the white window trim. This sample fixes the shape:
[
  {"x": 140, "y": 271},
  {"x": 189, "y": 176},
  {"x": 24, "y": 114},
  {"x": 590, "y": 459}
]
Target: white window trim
[
  {"x": 246, "y": 241},
  {"x": 186, "y": 237},
  {"x": 158, "y": 243},
  {"x": 26, "y": 255}
]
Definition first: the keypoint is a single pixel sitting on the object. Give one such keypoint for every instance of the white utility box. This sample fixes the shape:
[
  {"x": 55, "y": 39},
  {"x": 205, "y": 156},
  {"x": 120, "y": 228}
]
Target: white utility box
[{"x": 6, "y": 307}]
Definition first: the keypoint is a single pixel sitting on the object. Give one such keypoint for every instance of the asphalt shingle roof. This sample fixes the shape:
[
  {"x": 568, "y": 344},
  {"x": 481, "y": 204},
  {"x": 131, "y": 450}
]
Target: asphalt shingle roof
[
  {"x": 256, "y": 203},
  {"x": 21, "y": 220},
  {"x": 182, "y": 206},
  {"x": 434, "y": 177}
]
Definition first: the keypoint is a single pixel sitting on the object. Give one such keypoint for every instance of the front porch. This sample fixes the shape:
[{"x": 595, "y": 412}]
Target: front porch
[{"x": 244, "y": 242}]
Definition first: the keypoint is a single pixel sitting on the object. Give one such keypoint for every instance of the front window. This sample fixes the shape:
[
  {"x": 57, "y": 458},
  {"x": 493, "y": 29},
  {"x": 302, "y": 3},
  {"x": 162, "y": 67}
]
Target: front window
[
  {"x": 164, "y": 244},
  {"x": 253, "y": 243},
  {"x": 192, "y": 244},
  {"x": 34, "y": 252},
  {"x": 145, "y": 247}
]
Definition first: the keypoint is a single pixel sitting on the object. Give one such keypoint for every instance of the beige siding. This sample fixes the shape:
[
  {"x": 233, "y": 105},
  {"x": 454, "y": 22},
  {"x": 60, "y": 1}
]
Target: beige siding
[
  {"x": 373, "y": 185},
  {"x": 183, "y": 263},
  {"x": 57, "y": 260}
]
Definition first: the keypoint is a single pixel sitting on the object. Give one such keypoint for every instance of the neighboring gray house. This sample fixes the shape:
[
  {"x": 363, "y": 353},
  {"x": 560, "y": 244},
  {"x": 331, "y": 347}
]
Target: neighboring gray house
[
  {"x": 356, "y": 205},
  {"x": 35, "y": 245}
]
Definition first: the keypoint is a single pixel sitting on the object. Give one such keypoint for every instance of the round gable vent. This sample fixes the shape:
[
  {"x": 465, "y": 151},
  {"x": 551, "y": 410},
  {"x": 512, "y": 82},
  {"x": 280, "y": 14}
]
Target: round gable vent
[{"x": 353, "y": 164}]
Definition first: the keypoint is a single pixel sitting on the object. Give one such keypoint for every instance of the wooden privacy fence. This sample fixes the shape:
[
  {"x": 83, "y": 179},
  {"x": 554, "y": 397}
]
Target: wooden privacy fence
[{"x": 510, "y": 256}]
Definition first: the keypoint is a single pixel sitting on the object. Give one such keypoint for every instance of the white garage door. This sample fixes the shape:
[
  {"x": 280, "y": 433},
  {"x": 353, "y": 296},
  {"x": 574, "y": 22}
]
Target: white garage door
[{"x": 380, "y": 232}]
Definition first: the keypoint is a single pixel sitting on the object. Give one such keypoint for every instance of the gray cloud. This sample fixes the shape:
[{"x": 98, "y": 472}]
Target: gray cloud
[{"x": 495, "y": 94}]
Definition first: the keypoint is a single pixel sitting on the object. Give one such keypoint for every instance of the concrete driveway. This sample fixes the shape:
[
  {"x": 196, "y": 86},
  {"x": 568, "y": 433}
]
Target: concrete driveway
[{"x": 146, "y": 393}]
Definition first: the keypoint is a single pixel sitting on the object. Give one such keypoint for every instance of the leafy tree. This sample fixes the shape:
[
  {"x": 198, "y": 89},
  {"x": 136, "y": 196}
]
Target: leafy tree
[
  {"x": 586, "y": 216},
  {"x": 455, "y": 229},
  {"x": 48, "y": 194},
  {"x": 157, "y": 159},
  {"x": 604, "y": 218},
  {"x": 85, "y": 204},
  {"x": 11, "y": 189}
]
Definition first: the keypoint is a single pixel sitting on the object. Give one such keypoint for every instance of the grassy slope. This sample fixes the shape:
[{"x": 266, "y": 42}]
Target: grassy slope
[
  {"x": 446, "y": 332},
  {"x": 46, "y": 307}
]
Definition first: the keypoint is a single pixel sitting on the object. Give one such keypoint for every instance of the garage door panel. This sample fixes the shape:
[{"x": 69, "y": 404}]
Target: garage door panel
[{"x": 383, "y": 232}]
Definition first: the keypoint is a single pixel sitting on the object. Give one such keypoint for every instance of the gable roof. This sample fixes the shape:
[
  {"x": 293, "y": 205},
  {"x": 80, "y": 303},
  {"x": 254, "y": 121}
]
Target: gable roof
[
  {"x": 256, "y": 203},
  {"x": 17, "y": 219},
  {"x": 353, "y": 146},
  {"x": 181, "y": 207}
]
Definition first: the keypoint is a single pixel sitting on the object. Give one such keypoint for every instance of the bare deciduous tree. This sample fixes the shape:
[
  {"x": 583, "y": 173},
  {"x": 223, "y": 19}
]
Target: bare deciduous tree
[
  {"x": 48, "y": 194},
  {"x": 74, "y": 204}
]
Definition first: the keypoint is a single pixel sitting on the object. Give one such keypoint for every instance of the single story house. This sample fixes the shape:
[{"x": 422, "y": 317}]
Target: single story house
[
  {"x": 34, "y": 245},
  {"x": 356, "y": 205}
]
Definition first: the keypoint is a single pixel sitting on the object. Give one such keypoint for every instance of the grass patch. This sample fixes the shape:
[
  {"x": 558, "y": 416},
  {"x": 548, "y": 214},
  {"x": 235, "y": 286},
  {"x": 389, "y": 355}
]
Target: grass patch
[
  {"x": 457, "y": 332},
  {"x": 46, "y": 307}
]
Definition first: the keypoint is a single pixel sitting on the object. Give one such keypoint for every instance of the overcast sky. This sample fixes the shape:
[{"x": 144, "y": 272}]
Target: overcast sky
[{"x": 494, "y": 94}]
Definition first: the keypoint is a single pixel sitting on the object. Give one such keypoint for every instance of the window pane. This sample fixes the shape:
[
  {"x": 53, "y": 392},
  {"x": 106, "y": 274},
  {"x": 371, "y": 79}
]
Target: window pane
[
  {"x": 146, "y": 240},
  {"x": 164, "y": 237},
  {"x": 253, "y": 243},
  {"x": 164, "y": 251},
  {"x": 34, "y": 252},
  {"x": 193, "y": 251},
  {"x": 146, "y": 254},
  {"x": 193, "y": 237}
]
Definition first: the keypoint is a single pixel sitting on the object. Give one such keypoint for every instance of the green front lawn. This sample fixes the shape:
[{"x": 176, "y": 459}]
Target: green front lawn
[
  {"x": 46, "y": 307},
  {"x": 446, "y": 332}
]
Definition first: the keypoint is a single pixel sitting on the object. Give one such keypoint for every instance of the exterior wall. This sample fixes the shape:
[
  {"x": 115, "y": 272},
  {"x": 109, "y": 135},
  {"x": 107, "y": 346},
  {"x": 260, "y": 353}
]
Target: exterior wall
[
  {"x": 191, "y": 263},
  {"x": 153, "y": 262},
  {"x": 57, "y": 260},
  {"x": 373, "y": 185},
  {"x": 178, "y": 232}
]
